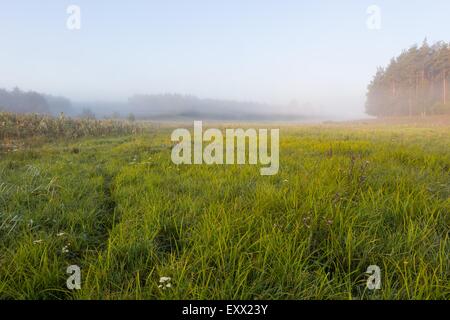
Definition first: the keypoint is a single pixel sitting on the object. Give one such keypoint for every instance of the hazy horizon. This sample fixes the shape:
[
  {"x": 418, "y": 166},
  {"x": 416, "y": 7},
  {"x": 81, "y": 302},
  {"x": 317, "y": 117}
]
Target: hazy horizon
[{"x": 321, "y": 55}]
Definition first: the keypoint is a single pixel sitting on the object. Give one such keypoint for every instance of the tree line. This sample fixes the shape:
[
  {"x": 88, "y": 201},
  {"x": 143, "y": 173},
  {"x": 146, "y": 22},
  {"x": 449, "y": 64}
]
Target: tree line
[
  {"x": 150, "y": 106},
  {"x": 189, "y": 106},
  {"x": 414, "y": 83},
  {"x": 20, "y": 101}
]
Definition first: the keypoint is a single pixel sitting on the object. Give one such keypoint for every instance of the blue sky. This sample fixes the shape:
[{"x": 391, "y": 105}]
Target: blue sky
[{"x": 319, "y": 52}]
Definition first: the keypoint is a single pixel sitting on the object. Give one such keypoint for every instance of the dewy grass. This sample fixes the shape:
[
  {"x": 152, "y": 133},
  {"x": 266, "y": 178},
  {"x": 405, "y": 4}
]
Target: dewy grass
[{"x": 345, "y": 198}]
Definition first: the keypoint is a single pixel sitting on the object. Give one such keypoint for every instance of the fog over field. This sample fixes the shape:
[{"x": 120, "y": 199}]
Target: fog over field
[
  {"x": 229, "y": 60},
  {"x": 234, "y": 151}
]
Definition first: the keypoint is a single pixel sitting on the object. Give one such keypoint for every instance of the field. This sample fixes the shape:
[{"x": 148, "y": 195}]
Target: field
[{"x": 347, "y": 196}]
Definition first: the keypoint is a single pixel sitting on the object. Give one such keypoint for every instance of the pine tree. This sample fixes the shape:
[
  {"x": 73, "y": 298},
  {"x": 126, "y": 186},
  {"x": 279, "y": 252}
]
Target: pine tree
[{"x": 414, "y": 83}]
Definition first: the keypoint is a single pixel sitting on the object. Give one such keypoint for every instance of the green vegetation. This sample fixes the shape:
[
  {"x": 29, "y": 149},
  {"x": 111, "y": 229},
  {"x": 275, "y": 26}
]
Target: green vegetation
[
  {"x": 414, "y": 83},
  {"x": 346, "y": 197}
]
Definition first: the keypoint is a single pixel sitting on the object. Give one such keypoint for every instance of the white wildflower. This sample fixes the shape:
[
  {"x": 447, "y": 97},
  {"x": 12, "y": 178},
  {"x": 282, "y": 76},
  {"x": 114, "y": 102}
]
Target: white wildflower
[
  {"x": 165, "y": 282},
  {"x": 164, "y": 279}
]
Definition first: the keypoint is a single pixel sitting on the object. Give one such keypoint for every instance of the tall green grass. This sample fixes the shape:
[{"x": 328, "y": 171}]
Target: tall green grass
[{"x": 344, "y": 198}]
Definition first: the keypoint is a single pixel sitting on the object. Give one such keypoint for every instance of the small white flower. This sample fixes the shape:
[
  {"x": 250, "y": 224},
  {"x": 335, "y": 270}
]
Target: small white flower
[
  {"x": 164, "y": 279},
  {"x": 65, "y": 249},
  {"x": 165, "y": 282}
]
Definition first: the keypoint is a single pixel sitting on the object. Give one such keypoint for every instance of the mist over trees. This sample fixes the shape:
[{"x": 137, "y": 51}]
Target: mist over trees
[
  {"x": 20, "y": 101},
  {"x": 156, "y": 106},
  {"x": 88, "y": 114},
  {"x": 414, "y": 83},
  {"x": 59, "y": 104},
  {"x": 188, "y": 106}
]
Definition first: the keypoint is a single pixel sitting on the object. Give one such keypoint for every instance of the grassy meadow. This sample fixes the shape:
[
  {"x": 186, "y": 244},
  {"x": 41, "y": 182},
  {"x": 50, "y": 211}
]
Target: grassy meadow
[{"x": 347, "y": 196}]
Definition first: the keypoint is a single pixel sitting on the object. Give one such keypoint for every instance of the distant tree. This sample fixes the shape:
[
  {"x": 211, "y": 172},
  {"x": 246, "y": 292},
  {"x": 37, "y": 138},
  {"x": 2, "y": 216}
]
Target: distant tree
[
  {"x": 20, "y": 101},
  {"x": 115, "y": 115},
  {"x": 131, "y": 117},
  {"x": 87, "y": 114},
  {"x": 58, "y": 105},
  {"x": 23, "y": 102},
  {"x": 191, "y": 106}
]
